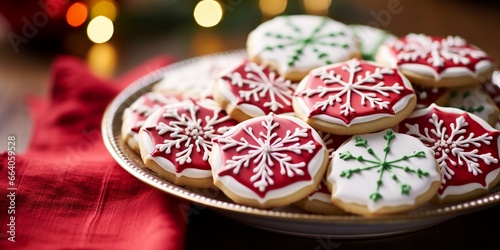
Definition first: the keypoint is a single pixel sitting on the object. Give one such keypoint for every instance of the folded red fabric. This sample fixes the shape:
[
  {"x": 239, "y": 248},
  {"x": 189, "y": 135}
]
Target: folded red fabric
[{"x": 68, "y": 191}]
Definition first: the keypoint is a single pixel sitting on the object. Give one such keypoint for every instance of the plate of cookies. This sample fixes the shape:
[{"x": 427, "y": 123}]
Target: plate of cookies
[{"x": 319, "y": 128}]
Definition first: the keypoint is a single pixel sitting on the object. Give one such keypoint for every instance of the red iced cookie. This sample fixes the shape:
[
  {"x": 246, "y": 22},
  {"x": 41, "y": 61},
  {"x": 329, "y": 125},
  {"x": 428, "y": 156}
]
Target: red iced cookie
[
  {"x": 353, "y": 97},
  {"x": 465, "y": 146},
  {"x": 437, "y": 61},
  {"x": 135, "y": 115},
  {"x": 429, "y": 95},
  {"x": 176, "y": 141},
  {"x": 250, "y": 90},
  {"x": 268, "y": 161}
]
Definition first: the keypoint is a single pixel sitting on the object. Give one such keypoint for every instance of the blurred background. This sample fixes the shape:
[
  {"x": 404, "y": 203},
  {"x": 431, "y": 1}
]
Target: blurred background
[{"x": 113, "y": 36}]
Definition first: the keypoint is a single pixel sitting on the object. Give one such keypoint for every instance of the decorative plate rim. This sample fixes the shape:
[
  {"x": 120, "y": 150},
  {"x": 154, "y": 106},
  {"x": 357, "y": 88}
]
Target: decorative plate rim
[{"x": 127, "y": 159}]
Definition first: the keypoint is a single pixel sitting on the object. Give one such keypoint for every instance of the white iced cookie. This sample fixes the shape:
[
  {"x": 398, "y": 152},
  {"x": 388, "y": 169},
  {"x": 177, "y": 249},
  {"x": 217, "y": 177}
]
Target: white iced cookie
[
  {"x": 476, "y": 101},
  {"x": 383, "y": 173},
  {"x": 194, "y": 79},
  {"x": 295, "y": 44},
  {"x": 370, "y": 39}
]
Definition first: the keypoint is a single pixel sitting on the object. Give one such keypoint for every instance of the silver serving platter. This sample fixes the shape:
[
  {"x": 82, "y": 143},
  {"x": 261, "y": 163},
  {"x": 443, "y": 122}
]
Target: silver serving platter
[{"x": 288, "y": 220}]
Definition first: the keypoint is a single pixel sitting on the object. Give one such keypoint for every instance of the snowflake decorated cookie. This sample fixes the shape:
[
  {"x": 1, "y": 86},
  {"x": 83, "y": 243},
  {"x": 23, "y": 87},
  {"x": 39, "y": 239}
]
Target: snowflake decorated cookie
[
  {"x": 319, "y": 200},
  {"x": 429, "y": 95},
  {"x": 476, "y": 101},
  {"x": 250, "y": 90},
  {"x": 268, "y": 161},
  {"x": 437, "y": 61},
  {"x": 353, "y": 97},
  {"x": 332, "y": 141},
  {"x": 135, "y": 115},
  {"x": 383, "y": 173},
  {"x": 194, "y": 80},
  {"x": 295, "y": 44},
  {"x": 492, "y": 88},
  {"x": 176, "y": 141},
  {"x": 465, "y": 147},
  {"x": 369, "y": 39}
]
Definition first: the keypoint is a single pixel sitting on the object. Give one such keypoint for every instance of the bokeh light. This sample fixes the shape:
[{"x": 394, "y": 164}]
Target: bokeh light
[
  {"x": 100, "y": 29},
  {"x": 107, "y": 8},
  {"x": 207, "y": 13},
  {"x": 102, "y": 59},
  {"x": 272, "y": 7},
  {"x": 77, "y": 14},
  {"x": 317, "y": 7},
  {"x": 206, "y": 42}
]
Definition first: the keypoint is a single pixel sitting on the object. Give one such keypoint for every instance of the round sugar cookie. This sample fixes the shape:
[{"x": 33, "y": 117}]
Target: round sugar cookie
[
  {"x": 353, "y": 97},
  {"x": 476, "y": 101},
  {"x": 382, "y": 173},
  {"x": 194, "y": 79},
  {"x": 429, "y": 95},
  {"x": 492, "y": 88},
  {"x": 369, "y": 39},
  {"x": 176, "y": 141},
  {"x": 268, "y": 161},
  {"x": 465, "y": 146},
  {"x": 319, "y": 201},
  {"x": 249, "y": 90},
  {"x": 134, "y": 116},
  {"x": 295, "y": 44},
  {"x": 332, "y": 141},
  {"x": 437, "y": 61}
]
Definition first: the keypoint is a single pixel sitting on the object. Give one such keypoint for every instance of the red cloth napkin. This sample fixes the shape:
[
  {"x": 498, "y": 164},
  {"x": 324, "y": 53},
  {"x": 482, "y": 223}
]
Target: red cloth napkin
[{"x": 70, "y": 192}]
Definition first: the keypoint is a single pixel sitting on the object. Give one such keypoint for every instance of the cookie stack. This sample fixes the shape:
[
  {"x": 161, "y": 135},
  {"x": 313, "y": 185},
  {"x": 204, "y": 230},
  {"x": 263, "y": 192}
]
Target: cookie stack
[
  {"x": 447, "y": 65},
  {"x": 333, "y": 118}
]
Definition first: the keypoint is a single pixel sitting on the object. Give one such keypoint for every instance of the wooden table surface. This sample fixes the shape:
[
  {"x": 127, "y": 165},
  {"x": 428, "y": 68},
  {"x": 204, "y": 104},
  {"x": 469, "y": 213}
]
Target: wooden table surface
[{"x": 27, "y": 73}]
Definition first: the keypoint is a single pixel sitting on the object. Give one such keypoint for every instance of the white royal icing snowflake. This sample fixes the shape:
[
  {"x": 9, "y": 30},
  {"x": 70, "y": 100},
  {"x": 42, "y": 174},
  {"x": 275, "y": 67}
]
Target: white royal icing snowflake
[
  {"x": 437, "y": 52},
  {"x": 343, "y": 89},
  {"x": 190, "y": 131},
  {"x": 328, "y": 140},
  {"x": 260, "y": 85},
  {"x": 453, "y": 147},
  {"x": 158, "y": 98},
  {"x": 192, "y": 80},
  {"x": 265, "y": 149}
]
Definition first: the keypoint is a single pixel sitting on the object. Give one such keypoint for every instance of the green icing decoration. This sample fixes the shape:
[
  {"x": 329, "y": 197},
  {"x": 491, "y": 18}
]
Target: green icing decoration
[
  {"x": 381, "y": 165},
  {"x": 376, "y": 38},
  {"x": 472, "y": 109},
  {"x": 469, "y": 109},
  {"x": 297, "y": 38}
]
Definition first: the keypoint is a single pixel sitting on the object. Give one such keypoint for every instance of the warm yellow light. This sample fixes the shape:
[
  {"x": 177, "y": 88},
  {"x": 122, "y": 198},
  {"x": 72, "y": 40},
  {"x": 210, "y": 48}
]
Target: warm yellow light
[
  {"x": 100, "y": 29},
  {"x": 207, "y": 13},
  {"x": 206, "y": 42},
  {"x": 317, "y": 7},
  {"x": 105, "y": 8},
  {"x": 272, "y": 7},
  {"x": 102, "y": 59},
  {"x": 77, "y": 14}
]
